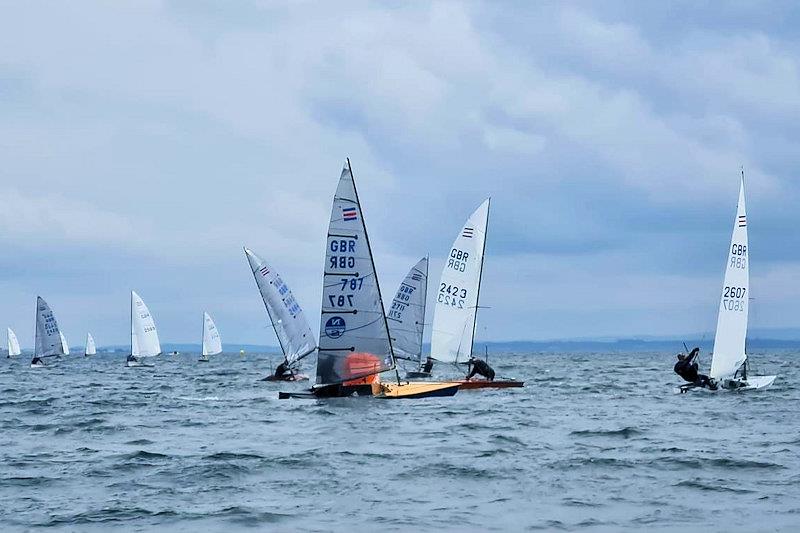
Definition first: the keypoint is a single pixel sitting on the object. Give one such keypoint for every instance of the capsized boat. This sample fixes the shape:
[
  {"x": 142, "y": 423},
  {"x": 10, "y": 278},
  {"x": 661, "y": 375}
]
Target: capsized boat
[
  {"x": 13, "y": 343},
  {"x": 90, "y": 349},
  {"x": 286, "y": 316},
  {"x": 212, "y": 344},
  {"x": 49, "y": 341},
  {"x": 456, "y": 308},
  {"x": 729, "y": 365},
  {"x": 406, "y": 318},
  {"x": 354, "y": 342},
  {"x": 144, "y": 336}
]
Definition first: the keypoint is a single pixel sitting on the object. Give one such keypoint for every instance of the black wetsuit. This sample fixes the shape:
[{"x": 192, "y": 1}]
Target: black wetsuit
[
  {"x": 131, "y": 358},
  {"x": 479, "y": 366},
  {"x": 688, "y": 370},
  {"x": 428, "y": 366},
  {"x": 282, "y": 370},
  {"x": 37, "y": 361}
]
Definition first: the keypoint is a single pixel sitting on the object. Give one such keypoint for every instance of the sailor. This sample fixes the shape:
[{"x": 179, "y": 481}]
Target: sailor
[
  {"x": 687, "y": 368},
  {"x": 428, "y": 366},
  {"x": 37, "y": 361},
  {"x": 479, "y": 366},
  {"x": 282, "y": 370},
  {"x": 131, "y": 358}
]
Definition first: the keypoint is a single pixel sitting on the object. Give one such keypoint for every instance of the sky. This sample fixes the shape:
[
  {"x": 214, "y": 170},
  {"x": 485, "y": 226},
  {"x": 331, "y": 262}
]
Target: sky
[{"x": 143, "y": 144}]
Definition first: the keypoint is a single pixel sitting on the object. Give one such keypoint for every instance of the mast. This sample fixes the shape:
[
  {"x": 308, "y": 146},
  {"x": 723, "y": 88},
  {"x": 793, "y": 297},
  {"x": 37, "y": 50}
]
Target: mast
[
  {"x": 377, "y": 285},
  {"x": 424, "y": 306},
  {"x": 480, "y": 277}
]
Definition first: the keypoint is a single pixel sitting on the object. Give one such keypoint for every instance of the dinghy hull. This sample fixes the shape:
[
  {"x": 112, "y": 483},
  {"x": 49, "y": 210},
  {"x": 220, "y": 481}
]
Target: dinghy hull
[
  {"x": 414, "y": 390},
  {"x": 486, "y": 384},
  {"x": 295, "y": 377}
]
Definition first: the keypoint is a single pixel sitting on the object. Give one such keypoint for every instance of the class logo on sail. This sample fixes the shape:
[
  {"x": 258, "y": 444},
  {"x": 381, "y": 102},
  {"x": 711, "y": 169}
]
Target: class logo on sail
[
  {"x": 468, "y": 232},
  {"x": 742, "y": 221},
  {"x": 335, "y": 327}
]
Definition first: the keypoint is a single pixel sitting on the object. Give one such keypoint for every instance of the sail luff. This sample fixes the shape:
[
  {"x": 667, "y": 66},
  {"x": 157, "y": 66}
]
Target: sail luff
[{"x": 729, "y": 340}]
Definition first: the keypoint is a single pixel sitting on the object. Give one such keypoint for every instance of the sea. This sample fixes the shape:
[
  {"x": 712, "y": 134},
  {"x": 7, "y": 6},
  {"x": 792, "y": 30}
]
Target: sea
[{"x": 593, "y": 442}]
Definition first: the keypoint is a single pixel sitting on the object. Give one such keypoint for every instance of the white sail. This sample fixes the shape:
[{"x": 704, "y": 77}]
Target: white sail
[
  {"x": 91, "y": 349},
  {"x": 406, "y": 316},
  {"x": 729, "y": 342},
  {"x": 144, "y": 337},
  {"x": 64, "y": 344},
  {"x": 457, "y": 293},
  {"x": 354, "y": 337},
  {"x": 48, "y": 336},
  {"x": 212, "y": 344},
  {"x": 290, "y": 324},
  {"x": 13, "y": 343}
]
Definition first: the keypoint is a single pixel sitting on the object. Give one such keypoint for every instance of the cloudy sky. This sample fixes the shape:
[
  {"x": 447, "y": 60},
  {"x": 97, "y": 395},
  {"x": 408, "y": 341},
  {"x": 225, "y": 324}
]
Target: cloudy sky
[{"x": 142, "y": 144}]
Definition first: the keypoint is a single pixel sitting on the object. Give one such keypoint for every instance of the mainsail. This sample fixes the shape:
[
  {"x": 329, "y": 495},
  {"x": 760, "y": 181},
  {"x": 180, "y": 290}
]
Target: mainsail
[
  {"x": 290, "y": 324},
  {"x": 64, "y": 344},
  {"x": 13, "y": 343},
  {"x": 457, "y": 293},
  {"x": 212, "y": 344},
  {"x": 354, "y": 336},
  {"x": 91, "y": 349},
  {"x": 144, "y": 337},
  {"x": 406, "y": 316},
  {"x": 48, "y": 336},
  {"x": 729, "y": 342}
]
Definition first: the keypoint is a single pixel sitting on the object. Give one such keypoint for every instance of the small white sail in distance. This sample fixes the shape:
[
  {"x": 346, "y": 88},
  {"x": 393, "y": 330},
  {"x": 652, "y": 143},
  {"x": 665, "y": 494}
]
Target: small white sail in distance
[
  {"x": 212, "y": 344},
  {"x": 13, "y": 343},
  {"x": 457, "y": 294},
  {"x": 406, "y": 316},
  {"x": 287, "y": 317},
  {"x": 144, "y": 336},
  {"x": 64, "y": 344},
  {"x": 729, "y": 341},
  {"x": 91, "y": 349}
]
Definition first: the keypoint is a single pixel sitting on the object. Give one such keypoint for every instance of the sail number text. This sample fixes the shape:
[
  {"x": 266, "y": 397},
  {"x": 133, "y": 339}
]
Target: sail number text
[
  {"x": 340, "y": 246},
  {"x": 401, "y": 300},
  {"x": 458, "y": 260},
  {"x": 733, "y": 298},
  {"x": 451, "y": 295},
  {"x": 738, "y": 256}
]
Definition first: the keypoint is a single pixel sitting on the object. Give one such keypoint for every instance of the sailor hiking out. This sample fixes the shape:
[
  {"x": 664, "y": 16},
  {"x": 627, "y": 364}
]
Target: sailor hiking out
[{"x": 687, "y": 368}]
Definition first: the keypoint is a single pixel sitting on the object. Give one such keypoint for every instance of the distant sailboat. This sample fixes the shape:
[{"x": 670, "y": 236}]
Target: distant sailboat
[
  {"x": 288, "y": 320},
  {"x": 212, "y": 344},
  {"x": 144, "y": 336},
  {"x": 64, "y": 344},
  {"x": 354, "y": 343},
  {"x": 90, "y": 349},
  {"x": 729, "y": 360},
  {"x": 13, "y": 343},
  {"x": 49, "y": 341},
  {"x": 456, "y": 310},
  {"x": 406, "y": 316}
]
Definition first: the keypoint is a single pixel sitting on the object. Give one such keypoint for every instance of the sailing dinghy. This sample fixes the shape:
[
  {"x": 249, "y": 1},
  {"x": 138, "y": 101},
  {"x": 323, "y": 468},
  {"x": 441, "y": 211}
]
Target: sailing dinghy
[
  {"x": 144, "y": 336},
  {"x": 456, "y": 310},
  {"x": 406, "y": 318},
  {"x": 729, "y": 366},
  {"x": 64, "y": 344},
  {"x": 13, "y": 343},
  {"x": 287, "y": 318},
  {"x": 354, "y": 343},
  {"x": 90, "y": 349},
  {"x": 49, "y": 341},
  {"x": 212, "y": 344}
]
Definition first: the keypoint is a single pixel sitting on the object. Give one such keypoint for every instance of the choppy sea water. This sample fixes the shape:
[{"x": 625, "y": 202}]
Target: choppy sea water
[{"x": 594, "y": 442}]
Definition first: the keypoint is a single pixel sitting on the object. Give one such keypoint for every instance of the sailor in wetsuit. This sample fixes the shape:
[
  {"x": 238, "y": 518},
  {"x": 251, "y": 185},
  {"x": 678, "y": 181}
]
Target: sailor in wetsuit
[
  {"x": 479, "y": 366},
  {"x": 283, "y": 371},
  {"x": 131, "y": 359},
  {"x": 428, "y": 366},
  {"x": 687, "y": 368},
  {"x": 37, "y": 361}
]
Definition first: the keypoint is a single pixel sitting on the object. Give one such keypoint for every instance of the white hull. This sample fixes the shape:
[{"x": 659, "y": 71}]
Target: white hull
[
  {"x": 40, "y": 365},
  {"x": 752, "y": 383}
]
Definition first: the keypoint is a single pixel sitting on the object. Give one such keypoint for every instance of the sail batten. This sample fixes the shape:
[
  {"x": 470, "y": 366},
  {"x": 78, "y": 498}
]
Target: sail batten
[
  {"x": 406, "y": 316},
  {"x": 212, "y": 343},
  {"x": 354, "y": 333},
  {"x": 287, "y": 317},
  {"x": 729, "y": 340},
  {"x": 48, "y": 336},
  {"x": 456, "y": 306},
  {"x": 144, "y": 336}
]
